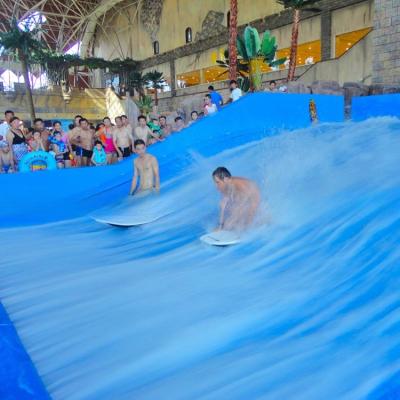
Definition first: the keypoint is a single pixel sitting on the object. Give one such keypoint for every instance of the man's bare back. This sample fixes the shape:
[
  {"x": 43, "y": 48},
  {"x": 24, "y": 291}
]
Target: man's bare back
[{"x": 240, "y": 200}]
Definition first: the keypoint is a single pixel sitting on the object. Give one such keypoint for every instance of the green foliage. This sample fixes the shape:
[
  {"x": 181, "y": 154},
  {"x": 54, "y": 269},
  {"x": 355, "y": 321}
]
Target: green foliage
[
  {"x": 155, "y": 79},
  {"x": 21, "y": 42},
  {"x": 252, "y": 42},
  {"x": 138, "y": 81},
  {"x": 244, "y": 84},
  {"x": 299, "y": 4},
  {"x": 145, "y": 104}
]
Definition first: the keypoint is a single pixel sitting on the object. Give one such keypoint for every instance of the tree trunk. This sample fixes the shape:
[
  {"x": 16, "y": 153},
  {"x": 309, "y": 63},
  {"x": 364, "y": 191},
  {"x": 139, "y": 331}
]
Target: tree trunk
[
  {"x": 232, "y": 40},
  {"x": 255, "y": 73},
  {"x": 25, "y": 72},
  {"x": 155, "y": 97},
  {"x": 293, "y": 46}
]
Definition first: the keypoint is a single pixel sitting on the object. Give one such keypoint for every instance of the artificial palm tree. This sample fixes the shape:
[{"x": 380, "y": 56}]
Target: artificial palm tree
[
  {"x": 297, "y": 6},
  {"x": 155, "y": 81},
  {"x": 233, "y": 32},
  {"x": 138, "y": 81},
  {"x": 22, "y": 43}
]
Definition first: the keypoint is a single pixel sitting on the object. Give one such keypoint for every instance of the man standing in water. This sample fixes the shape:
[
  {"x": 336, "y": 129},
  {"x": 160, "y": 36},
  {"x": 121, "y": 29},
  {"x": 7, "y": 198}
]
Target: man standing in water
[
  {"x": 145, "y": 169},
  {"x": 240, "y": 200}
]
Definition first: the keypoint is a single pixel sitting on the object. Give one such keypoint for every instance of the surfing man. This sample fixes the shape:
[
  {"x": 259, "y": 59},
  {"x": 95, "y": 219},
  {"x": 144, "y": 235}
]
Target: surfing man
[
  {"x": 145, "y": 169},
  {"x": 240, "y": 200}
]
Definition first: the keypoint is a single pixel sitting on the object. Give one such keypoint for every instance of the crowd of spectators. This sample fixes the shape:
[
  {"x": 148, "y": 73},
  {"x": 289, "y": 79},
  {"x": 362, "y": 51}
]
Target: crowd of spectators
[{"x": 84, "y": 144}]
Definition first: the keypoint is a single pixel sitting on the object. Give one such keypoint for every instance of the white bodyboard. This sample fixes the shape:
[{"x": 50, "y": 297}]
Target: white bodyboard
[
  {"x": 132, "y": 211},
  {"x": 127, "y": 222},
  {"x": 221, "y": 238}
]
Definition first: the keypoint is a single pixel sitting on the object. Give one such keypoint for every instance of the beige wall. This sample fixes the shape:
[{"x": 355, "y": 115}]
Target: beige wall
[
  {"x": 351, "y": 19},
  {"x": 354, "y": 66},
  {"x": 51, "y": 105},
  {"x": 123, "y": 35},
  {"x": 309, "y": 30}
]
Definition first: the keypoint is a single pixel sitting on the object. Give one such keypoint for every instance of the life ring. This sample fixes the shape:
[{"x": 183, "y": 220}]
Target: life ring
[{"x": 36, "y": 161}]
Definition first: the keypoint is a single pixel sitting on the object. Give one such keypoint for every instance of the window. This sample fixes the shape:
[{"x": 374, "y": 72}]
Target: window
[
  {"x": 188, "y": 35},
  {"x": 156, "y": 47},
  {"x": 228, "y": 19}
]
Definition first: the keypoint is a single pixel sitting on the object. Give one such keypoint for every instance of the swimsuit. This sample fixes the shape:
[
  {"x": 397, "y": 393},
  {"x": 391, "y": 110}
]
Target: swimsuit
[
  {"x": 109, "y": 145},
  {"x": 19, "y": 146},
  {"x": 6, "y": 168},
  {"x": 87, "y": 153},
  {"x": 99, "y": 156},
  {"x": 126, "y": 151}
]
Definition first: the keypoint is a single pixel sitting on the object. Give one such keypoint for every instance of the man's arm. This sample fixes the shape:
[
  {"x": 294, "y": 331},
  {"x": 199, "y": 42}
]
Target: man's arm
[
  {"x": 222, "y": 207},
  {"x": 10, "y": 140},
  {"x": 156, "y": 171},
  {"x": 73, "y": 137},
  {"x": 114, "y": 138},
  {"x": 134, "y": 179}
]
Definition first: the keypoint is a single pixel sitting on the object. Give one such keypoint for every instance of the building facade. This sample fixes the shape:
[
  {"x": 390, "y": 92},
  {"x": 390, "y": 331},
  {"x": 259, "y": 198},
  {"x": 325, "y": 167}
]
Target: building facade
[{"x": 183, "y": 39}]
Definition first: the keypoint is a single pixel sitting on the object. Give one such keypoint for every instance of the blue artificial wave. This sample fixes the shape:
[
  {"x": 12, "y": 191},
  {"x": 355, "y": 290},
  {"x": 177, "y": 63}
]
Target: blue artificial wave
[{"x": 306, "y": 307}]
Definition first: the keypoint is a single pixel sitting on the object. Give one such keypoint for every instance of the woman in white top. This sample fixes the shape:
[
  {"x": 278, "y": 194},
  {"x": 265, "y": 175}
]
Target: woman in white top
[{"x": 209, "y": 106}]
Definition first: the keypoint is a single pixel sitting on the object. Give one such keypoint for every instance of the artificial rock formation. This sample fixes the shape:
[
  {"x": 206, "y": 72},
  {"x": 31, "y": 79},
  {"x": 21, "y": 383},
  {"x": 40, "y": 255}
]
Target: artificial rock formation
[{"x": 212, "y": 25}]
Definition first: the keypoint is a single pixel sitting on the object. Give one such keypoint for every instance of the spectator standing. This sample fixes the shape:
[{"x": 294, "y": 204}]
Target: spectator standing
[
  {"x": 38, "y": 125},
  {"x": 99, "y": 156},
  {"x": 60, "y": 149},
  {"x": 194, "y": 116},
  {"x": 166, "y": 128},
  {"x": 35, "y": 143},
  {"x": 16, "y": 141},
  {"x": 65, "y": 138},
  {"x": 236, "y": 93},
  {"x": 6, "y": 159},
  {"x": 272, "y": 87},
  {"x": 109, "y": 147},
  {"x": 127, "y": 125},
  {"x": 143, "y": 132},
  {"x": 209, "y": 106},
  {"x": 122, "y": 139},
  {"x": 5, "y": 125},
  {"x": 216, "y": 98},
  {"x": 179, "y": 124}
]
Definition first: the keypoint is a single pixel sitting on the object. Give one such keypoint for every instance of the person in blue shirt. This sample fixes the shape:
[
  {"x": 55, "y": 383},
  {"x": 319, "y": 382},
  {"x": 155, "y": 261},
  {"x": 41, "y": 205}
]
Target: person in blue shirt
[{"x": 216, "y": 98}]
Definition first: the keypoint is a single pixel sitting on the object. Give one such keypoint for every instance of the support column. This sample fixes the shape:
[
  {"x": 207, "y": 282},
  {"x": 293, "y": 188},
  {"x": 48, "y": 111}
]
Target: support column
[
  {"x": 173, "y": 77},
  {"x": 386, "y": 42},
  {"x": 326, "y": 35}
]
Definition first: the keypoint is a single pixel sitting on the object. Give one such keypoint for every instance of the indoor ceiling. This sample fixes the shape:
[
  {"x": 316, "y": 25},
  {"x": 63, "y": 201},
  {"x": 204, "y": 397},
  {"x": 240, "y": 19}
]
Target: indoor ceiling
[{"x": 65, "y": 21}]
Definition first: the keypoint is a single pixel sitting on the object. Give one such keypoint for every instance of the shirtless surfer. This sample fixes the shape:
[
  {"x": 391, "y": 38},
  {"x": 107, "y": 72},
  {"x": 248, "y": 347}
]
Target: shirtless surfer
[
  {"x": 240, "y": 200},
  {"x": 146, "y": 169}
]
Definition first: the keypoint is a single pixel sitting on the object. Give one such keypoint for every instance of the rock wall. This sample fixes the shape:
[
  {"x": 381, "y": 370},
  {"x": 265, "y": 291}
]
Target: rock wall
[{"x": 386, "y": 42}]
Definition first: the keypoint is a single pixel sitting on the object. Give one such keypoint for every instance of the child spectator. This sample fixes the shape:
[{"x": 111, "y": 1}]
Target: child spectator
[
  {"x": 179, "y": 124},
  {"x": 194, "y": 116},
  {"x": 59, "y": 148},
  {"x": 155, "y": 127},
  {"x": 6, "y": 159},
  {"x": 209, "y": 106},
  {"x": 99, "y": 156},
  {"x": 36, "y": 143}
]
